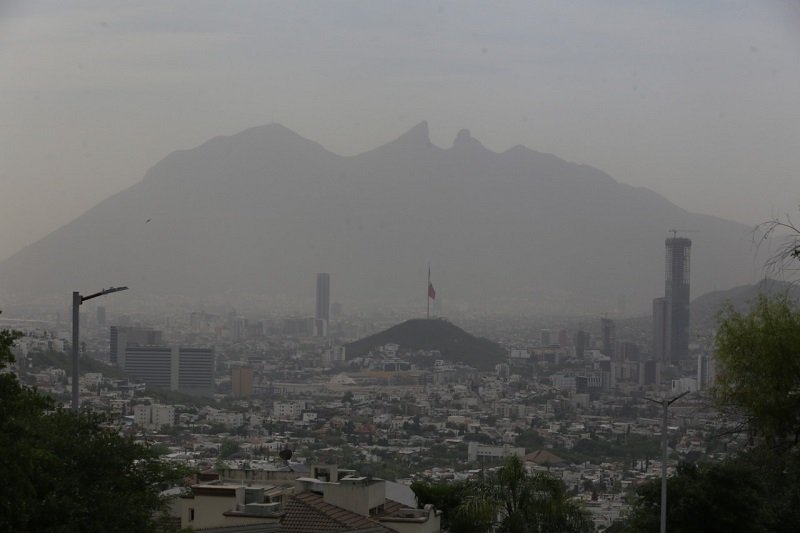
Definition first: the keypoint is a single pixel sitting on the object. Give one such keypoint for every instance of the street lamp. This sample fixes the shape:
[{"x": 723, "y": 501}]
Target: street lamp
[
  {"x": 77, "y": 300},
  {"x": 665, "y": 403}
]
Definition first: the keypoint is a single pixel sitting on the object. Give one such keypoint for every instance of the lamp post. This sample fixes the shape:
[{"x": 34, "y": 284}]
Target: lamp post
[
  {"x": 665, "y": 403},
  {"x": 77, "y": 300}
]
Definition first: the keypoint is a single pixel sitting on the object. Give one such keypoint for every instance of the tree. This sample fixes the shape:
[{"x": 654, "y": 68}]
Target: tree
[
  {"x": 66, "y": 471},
  {"x": 725, "y": 497},
  {"x": 511, "y": 501},
  {"x": 759, "y": 361},
  {"x": 758, "y": 353},
  {"x": 228, "y": 448},
  {"x": 788, "y": 249},
  {"x": 444, "y": 497}
]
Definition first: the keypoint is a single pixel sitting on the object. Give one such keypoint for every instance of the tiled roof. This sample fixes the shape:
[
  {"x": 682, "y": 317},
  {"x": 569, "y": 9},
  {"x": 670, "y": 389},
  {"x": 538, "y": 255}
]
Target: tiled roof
[
  {"x": 543, "y": 457},
  {"x": 307, "y": 512},
  {"x": 242, "y": 528}
]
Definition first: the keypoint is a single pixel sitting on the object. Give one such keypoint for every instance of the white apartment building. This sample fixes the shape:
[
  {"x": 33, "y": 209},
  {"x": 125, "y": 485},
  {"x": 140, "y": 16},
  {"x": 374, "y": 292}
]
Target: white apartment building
[
  {"x": 154, "y": 417},
  {"x": 291, "y": 410},
  {"x": 228, "y": 419}
]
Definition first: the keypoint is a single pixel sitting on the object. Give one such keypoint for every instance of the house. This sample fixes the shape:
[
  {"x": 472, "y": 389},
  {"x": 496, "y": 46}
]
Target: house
[{"x": 329, "y": 501}]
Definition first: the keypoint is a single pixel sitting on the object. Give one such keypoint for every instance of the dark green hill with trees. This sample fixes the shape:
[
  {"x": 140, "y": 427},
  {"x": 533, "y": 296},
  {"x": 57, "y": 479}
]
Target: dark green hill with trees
[{"x": 455, "y": 344}]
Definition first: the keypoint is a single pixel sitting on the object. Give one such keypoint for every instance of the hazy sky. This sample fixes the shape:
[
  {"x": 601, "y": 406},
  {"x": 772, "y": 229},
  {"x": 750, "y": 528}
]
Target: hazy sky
[{"x": 699, "y": 101}]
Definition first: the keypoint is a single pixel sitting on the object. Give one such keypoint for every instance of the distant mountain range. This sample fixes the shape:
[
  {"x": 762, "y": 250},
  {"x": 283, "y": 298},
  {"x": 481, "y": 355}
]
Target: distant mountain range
[
  {"x": 257, "y": 214},
  {"x": 706, "y": 308},
  {"x": 455, "y": 344}
]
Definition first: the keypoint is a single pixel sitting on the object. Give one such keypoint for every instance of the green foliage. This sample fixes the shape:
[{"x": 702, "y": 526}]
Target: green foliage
[
  {"x": 445, "y": 497},
  {"x": 228, "y": 448},
  {"x": 65, "y": 471},
  {"x": 177, "y": 397},
  {"x": 759, "y": 358},
  {"x": 530, "y": 440},
  {"x": 481, "y": 438},
  {"x": 508, "y": 501},
  {"x": 777, "y": 472},
  {"x": 706, "y": 498}
]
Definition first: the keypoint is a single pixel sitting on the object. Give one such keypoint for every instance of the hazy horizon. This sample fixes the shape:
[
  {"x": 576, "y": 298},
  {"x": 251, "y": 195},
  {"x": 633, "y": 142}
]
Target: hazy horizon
[{"x": 696, "y": 102}]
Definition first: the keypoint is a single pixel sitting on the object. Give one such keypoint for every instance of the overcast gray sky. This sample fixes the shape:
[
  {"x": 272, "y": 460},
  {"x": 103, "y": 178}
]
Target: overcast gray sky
[{"x": 696, "y": 100}]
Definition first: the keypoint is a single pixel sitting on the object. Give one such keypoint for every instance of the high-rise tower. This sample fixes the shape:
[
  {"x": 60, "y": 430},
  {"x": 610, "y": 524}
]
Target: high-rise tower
[
  {"x": 677, "y": 296},
  {"x": 608, "y": 329},
  {"x": 323, "y": 313},
  {"x": 660, "y": 332}
]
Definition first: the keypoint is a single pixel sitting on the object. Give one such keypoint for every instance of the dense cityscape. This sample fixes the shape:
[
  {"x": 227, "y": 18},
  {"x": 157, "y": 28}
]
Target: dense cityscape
[
  {"x": 277, "y": 402},
  {"x": 412, "y": 267}
]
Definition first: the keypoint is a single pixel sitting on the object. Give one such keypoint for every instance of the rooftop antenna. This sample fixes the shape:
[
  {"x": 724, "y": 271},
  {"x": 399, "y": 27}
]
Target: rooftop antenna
[{"x": 676, "y": 231}]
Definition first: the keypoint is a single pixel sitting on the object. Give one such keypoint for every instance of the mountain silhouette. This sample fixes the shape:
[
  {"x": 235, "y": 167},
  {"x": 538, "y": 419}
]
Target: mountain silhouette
[
  {"x": 258, "y": 213},
  {"x": 455, "y": 344},
  {"x": 706, "y": 308}
]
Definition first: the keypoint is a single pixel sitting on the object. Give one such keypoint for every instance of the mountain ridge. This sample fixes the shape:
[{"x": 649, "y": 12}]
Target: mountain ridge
[{"x": 258, "y": 213}]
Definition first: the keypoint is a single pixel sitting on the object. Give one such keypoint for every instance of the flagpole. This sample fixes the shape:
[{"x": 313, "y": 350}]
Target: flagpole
[{"x": 428, "y": 295}]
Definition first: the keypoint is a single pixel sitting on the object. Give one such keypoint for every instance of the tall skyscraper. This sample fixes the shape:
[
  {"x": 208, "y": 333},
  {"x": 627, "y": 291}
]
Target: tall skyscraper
[
  {"x": 101, "y": 316},
  {"x": 608, "y": 329},
  {"x": 323, "y": 313},
  {"x": 677, "y": 296},
  {"x": 706, "y": 371},
  {"x": 660, "y": 329},
  {"x": 545, "y": 337},
  {"x": 581, "y": 343}
]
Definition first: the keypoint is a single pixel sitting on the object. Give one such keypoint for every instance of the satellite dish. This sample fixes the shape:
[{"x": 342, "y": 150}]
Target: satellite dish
[{"x": 285, "y": 454}]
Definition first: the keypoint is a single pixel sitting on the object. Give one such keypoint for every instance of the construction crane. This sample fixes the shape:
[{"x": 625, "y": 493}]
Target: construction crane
[{"x": 676, "y": 231}]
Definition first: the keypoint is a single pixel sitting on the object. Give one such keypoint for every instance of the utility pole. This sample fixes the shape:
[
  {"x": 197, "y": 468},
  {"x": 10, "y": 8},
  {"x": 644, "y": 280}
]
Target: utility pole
[
  {"x": 665, "y": 403},
  {"x": 77, "y": 300}
]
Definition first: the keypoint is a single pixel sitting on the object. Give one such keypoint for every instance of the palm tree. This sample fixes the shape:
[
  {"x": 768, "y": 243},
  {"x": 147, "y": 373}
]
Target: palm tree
[{"x": 514, "y": 501}]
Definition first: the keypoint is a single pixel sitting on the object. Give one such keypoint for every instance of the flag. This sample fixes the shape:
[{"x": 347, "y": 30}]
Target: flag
[{"x": 431, "y": 291}]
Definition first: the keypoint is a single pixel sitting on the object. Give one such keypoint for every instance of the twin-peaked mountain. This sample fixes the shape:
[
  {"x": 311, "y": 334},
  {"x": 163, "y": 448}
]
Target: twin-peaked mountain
[{"x": 260, "y": 212}]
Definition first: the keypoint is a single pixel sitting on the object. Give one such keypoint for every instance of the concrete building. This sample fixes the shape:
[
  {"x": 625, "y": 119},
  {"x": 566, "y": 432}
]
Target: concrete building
[
  {"x": 122, "y": 336},
  {"x": 323, "y": 309},
  {"x": 188, "y": 370},
  {"x": 545, "y": 337},
  {"x": 660, "y": 329},
  {"x": 609, "y": 331},
  {"x": 154, "y": 416},
  {"x": 677, "y": 295},
  {"x": 330, "y": 501},
  {"x": 484, "y": 452},
  {"x": 706, "y": 371},
  {"x": 242, "y": 378},
  {"x": 299, "y": 327},
  {"x": 582, "y": 341},
  {"x": 228, "y": 419},
  {"x": 292, "y": 410},
  {"x": 219, "y": 505},
  {"x": 679, "y": 386}
]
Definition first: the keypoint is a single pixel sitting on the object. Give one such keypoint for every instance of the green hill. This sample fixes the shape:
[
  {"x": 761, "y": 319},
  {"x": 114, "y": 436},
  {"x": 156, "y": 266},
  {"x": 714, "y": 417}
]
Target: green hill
[{"x": 452, "y": 342}]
